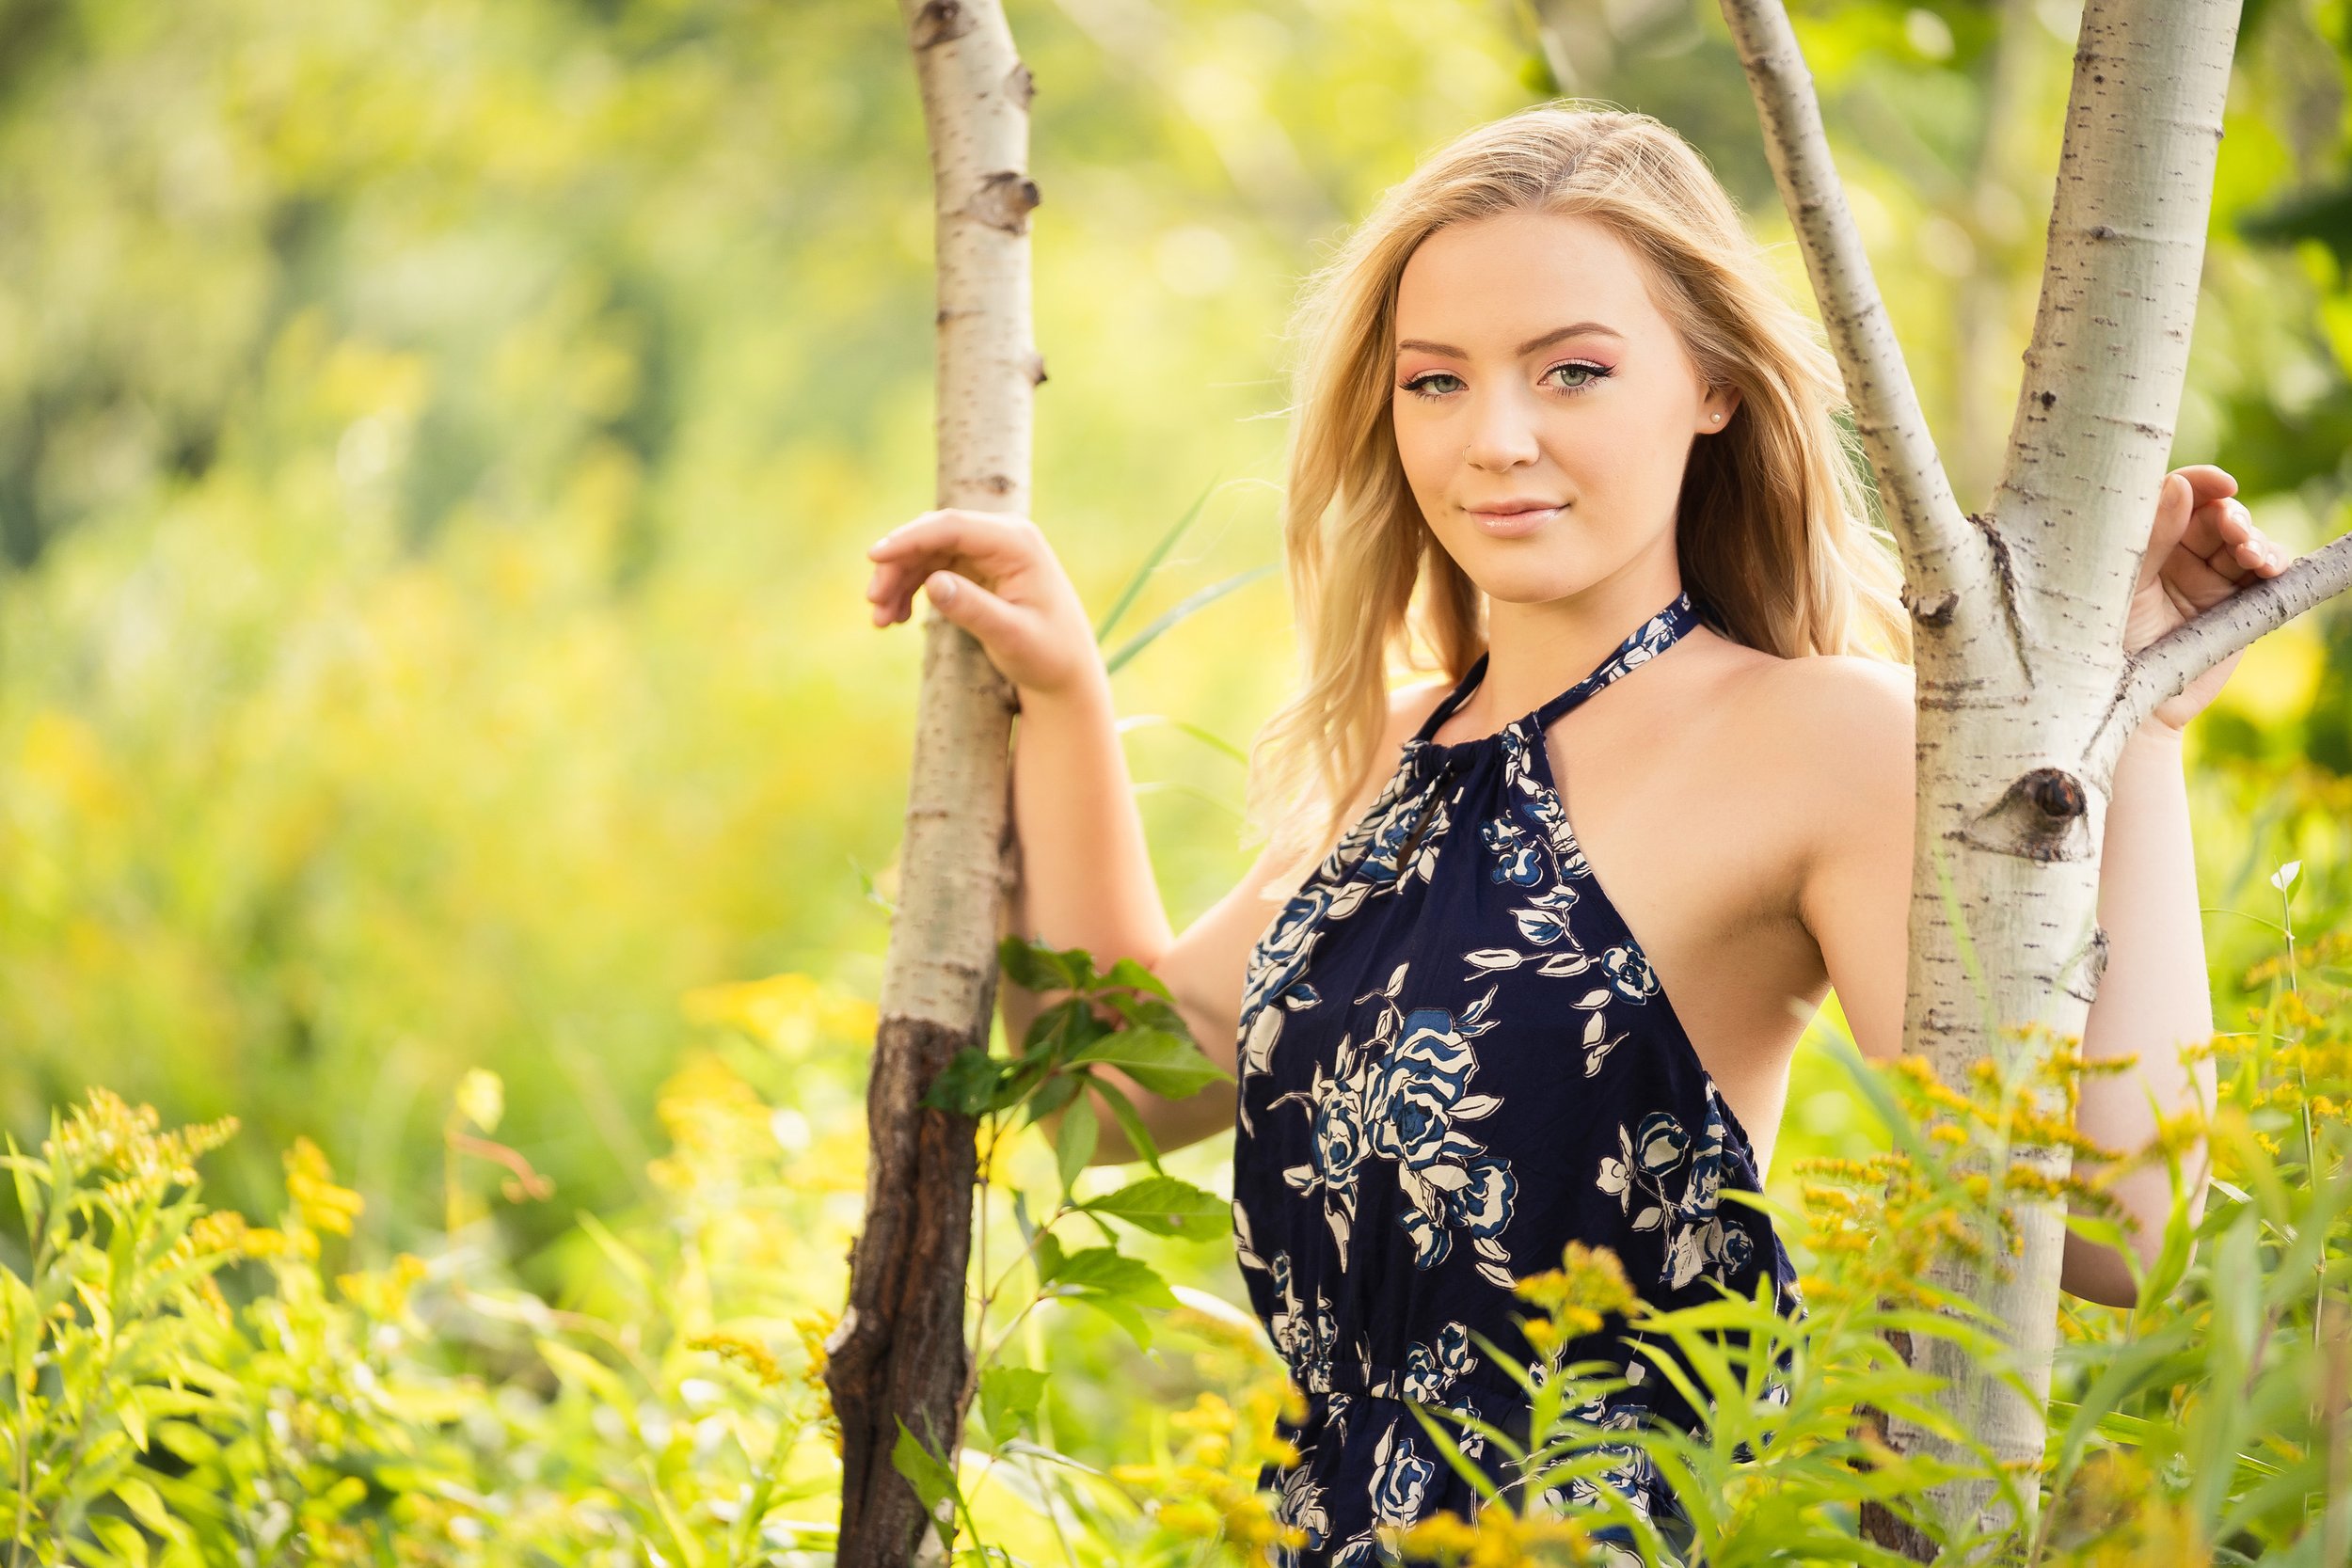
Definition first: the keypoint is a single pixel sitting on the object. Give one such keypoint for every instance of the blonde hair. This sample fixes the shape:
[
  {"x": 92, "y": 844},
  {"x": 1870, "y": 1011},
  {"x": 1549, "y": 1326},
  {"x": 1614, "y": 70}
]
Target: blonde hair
[{"x": 1772, "y": 538}]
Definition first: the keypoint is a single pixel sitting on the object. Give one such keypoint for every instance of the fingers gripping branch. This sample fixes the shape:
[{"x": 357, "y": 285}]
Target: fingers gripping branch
[{"x": 2166, "y": 665}]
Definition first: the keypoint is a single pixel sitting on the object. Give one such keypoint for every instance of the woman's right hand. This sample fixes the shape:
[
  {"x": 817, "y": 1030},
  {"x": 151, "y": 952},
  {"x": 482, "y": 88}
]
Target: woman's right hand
[{"x": 994, "y": 575}]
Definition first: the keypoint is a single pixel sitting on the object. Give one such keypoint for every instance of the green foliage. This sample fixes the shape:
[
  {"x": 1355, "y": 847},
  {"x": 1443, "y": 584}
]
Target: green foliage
[
  {"x": 429, "y": 1410},
  {"x": 147, "y": 1420},
  {"x": 112, "y": 1337},
  {"x": 1143, "y": 1036},
  {"x": 434, "y": 446}
]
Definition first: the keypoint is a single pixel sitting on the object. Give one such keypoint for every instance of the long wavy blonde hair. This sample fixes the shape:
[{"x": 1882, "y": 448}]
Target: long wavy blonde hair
[{"x": 1773, "y": 533}]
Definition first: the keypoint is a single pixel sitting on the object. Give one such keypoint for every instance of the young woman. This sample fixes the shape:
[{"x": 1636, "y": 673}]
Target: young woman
[{"x": 1555, "y": 423}]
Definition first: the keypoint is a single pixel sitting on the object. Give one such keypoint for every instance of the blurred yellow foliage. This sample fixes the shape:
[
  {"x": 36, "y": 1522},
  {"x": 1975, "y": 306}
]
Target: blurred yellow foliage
[
  {"x": 65, "y": 754},
  {"x": 1573, "y": 1300},
  {"x": 1209, "y": 1486},
  {"x": 310, "y": 1187},
  {"x": 790, "y": 1013},
  {"x": 482, "y": 1098}
]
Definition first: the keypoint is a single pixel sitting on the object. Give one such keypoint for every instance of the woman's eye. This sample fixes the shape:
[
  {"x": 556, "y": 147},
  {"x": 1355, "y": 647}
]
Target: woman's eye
[{"x": 1431, "y": 384}]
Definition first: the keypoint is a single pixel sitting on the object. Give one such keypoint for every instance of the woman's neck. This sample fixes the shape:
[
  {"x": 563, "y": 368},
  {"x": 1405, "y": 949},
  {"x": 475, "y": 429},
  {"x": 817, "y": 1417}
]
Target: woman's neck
[{"x": 1537, "y": 651}]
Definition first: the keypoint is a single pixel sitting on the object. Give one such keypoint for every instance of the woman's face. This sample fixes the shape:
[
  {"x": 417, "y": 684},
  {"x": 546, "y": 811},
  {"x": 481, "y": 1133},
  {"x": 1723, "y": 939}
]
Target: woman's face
[{"x": 1544, "y": 408}]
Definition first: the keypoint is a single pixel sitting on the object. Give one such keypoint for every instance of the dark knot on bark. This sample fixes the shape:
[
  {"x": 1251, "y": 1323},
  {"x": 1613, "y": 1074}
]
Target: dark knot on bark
[
  {"x": 2055, "y": 793},
  {"x": 1005, "y": 201},
  {"x": 941, "y": 22},
  {"x": 1932, "y": 610},
  {"x": 2043, "y": 815}
]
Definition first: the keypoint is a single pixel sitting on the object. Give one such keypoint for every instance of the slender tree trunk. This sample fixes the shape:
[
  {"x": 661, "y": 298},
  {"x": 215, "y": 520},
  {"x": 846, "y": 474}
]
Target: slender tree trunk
[
  {"x": 2001, "y": 171},
  {"x": 900, "y": 1353},
  {"x": 2025, "y": 696}
]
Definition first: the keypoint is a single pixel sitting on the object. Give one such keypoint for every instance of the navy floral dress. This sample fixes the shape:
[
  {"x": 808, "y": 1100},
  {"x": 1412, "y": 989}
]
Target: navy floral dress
[{"x": 1454, "y": 1059}]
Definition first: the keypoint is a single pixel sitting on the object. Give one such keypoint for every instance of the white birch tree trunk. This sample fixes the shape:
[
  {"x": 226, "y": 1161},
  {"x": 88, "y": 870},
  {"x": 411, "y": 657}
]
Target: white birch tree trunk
[
  {"x": 900, "y": 1353},
  {"x": 2025, "y": 696}
]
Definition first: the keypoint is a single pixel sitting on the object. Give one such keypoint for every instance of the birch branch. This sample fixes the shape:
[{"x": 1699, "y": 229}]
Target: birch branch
[
  {"x": 900, "y": 1358},
  {"x": 2166, "y": 666},
  {"x": 2019, "y": 615},
  {"x": 1942, "y": 554},
  {"x": 2091, "y": 436}
]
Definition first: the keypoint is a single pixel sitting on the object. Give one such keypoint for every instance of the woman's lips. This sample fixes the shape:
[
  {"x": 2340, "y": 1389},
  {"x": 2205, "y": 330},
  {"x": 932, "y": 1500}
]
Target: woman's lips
[{"x": 1511, "y": 525}]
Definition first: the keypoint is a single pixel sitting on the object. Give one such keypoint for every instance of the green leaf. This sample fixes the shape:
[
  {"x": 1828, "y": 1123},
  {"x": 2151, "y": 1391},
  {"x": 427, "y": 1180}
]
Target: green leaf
[
  {"x": 1049, "y": 1256},
  {"x": 1024, "y": 1449},
  {"x": 1101, "y": 1271},
  {"x": 1149, "y": 1012},
  {"x": 192, "y": 1445},
  {"x": 1056, "y": 1031},
  {"x": 126, "y": 1546},
  {"x": 933, "y": 1482},
  {"x": 1189, "y": 605},
  {"x": 134, "y": 1416},
  {"x": 1129, "y": 972},
  {"x": 600, "y": 1381},
  {"x": 1456, "y": 1459},
  {"x": 1034, "y": 966},
  {"x": 1009, "y": 1400},
  {"x": 144, "y": 1504},
  {"x": 1080, "y": 1130},
  {"x": 1124, "y": 1313},
  {"x": 1152, "y": 563},
  {"x": 1166, "y": 1207},
  {"x": 1163, "y": 1063},
  {"x": 23, "y": 1170},
  {"x": 1130, "y": 1121},
  {"x": 872, "y": 889},
  {"x": 1056, "y": 1092},
  {"x": 683, "y": 1537},
  {"x": 968, "y": 1084},
  {"x": 1206, "y": 737}
]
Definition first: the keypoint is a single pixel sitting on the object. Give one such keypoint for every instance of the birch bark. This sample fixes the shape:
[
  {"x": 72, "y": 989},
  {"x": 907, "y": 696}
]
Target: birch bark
[
  {"x": 2026, "y": 696},
  {"x": 899, "y": 1352}
]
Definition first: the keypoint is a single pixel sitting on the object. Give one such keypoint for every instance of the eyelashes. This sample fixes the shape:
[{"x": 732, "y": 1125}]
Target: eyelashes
[{"x": 1593, "y": 373}]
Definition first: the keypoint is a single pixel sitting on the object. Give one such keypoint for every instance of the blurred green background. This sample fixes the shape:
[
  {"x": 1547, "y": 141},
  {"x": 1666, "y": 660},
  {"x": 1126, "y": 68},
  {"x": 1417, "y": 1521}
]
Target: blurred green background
[{"x": 437, "y": 443}]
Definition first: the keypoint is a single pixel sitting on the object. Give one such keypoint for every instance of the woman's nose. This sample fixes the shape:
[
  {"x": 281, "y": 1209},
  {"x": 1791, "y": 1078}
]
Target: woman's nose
[{"x": 1501, "y": 433}]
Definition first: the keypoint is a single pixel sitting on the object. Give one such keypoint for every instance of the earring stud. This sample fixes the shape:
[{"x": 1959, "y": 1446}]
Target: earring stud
[{"x": 1717, "y": 418}]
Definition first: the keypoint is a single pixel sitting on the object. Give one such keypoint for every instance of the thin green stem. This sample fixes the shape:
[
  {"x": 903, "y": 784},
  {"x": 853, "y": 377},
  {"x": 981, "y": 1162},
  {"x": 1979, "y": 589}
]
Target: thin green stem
[
  {"x": 2244, "y": 914},
  {"x": 2303, "y": 1102}
]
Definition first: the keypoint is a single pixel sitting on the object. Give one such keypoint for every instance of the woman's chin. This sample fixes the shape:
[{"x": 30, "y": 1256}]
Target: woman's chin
[{"x": 1529, "y": 582}]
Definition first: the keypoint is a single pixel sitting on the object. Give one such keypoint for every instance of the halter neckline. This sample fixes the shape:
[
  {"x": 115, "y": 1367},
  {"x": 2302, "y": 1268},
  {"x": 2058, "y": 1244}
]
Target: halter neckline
[{"x": 1644, "y": 642}]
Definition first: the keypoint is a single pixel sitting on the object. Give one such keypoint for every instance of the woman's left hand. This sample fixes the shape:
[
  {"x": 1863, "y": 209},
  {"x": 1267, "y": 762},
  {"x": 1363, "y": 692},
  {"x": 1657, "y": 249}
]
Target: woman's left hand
[{"x": 2202, "y": 547}]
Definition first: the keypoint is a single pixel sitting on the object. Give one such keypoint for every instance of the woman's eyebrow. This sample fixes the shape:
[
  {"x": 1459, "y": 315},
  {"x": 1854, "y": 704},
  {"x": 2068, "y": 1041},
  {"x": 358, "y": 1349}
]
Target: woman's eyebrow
[{"x": 1526, "y": 348}]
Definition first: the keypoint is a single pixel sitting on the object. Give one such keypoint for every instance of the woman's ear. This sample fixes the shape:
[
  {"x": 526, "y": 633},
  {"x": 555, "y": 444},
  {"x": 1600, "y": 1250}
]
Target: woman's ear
[{"x": 1716, "y": 412}]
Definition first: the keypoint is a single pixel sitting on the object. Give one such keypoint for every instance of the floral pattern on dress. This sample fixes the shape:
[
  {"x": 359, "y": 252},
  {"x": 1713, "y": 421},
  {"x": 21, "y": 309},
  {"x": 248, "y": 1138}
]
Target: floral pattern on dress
[
  {"x": 1401, "y": 1096},
  {"x": 1453, "y": 1058},
  {"x": 1647, "y": 1159},
  {"x": 1302, "y": 1507},
  {"x": 1432, "y": 1369},
  {"x": 1368, "y": 857},
  {"x": 1304, "y": 1340}
]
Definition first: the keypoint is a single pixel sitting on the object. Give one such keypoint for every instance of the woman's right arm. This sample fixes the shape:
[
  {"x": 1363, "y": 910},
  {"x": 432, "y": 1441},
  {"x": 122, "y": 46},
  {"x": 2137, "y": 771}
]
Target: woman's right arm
[{"x": 1085, "y": 874}]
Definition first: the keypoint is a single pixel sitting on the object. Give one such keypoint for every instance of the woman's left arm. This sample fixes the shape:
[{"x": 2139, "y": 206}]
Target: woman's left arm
[{"x": 2154, "y": 998}]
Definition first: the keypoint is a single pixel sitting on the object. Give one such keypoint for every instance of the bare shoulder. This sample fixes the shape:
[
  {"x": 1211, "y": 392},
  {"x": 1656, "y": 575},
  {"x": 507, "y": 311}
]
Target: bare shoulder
[
  {"x": 1838, "y": 731},
  {"x": 1408, "y": 705},
  {"x": 1841, "y": 713}
]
